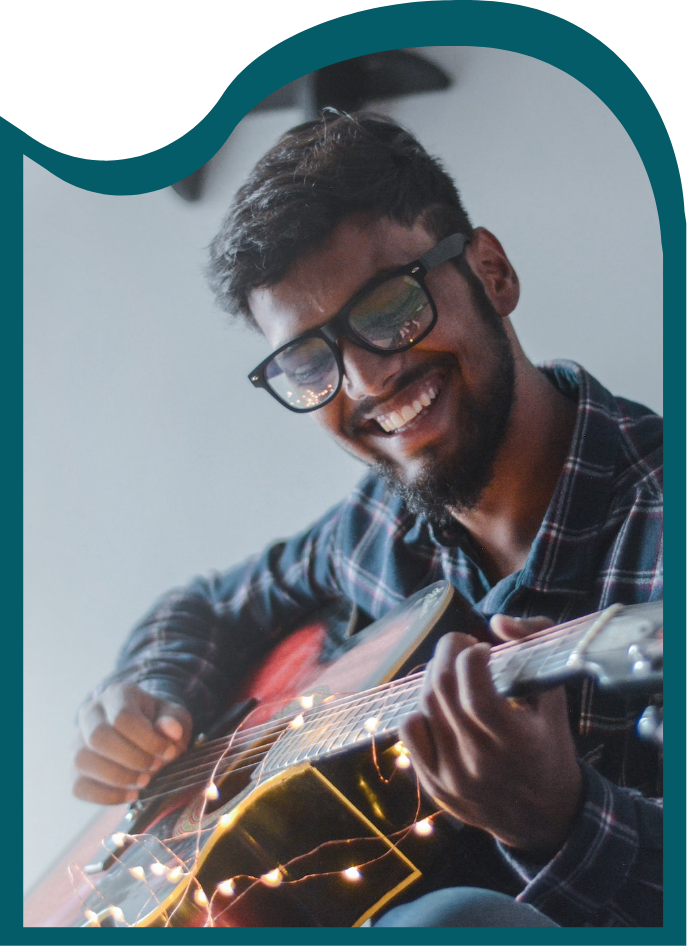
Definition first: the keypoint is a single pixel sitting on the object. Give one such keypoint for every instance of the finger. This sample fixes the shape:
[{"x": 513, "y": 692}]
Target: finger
[
  {"x": 510, "y": 628},
  {"x": 481, "y": 707},
  {"x": 103, "y": 770},
  {"x": 88, "y": 789},
  {"x": 417, "y": 738},
  {"x": 439, "y": 683},
  {"x": 175, "y": 722},
  {"x": 105, "y": 741},
  {"x": 132, "y": 712}
]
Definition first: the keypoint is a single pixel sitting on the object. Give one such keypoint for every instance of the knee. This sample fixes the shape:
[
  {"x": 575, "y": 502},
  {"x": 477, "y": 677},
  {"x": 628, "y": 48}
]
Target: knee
[{"x": 464, "y": 906}]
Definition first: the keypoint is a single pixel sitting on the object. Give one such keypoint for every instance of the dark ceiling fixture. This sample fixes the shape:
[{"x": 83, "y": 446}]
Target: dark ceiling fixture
[{"x": 347, "y": 85}]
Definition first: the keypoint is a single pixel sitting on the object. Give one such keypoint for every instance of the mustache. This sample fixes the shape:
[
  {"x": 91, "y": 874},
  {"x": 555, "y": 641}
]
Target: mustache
[{"x": 359, "y": 417}]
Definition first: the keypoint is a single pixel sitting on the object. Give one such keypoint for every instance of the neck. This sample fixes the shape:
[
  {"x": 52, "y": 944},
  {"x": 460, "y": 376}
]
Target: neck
[{"x": 509, "y": 514}]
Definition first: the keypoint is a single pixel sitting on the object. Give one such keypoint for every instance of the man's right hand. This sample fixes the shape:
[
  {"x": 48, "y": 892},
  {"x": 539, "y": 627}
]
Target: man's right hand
[{"x": 125, "y": 736}]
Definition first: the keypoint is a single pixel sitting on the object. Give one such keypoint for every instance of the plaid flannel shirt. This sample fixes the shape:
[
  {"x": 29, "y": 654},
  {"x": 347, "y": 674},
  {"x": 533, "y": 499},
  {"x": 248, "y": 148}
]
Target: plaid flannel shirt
[{"x": 599, "y": 543}]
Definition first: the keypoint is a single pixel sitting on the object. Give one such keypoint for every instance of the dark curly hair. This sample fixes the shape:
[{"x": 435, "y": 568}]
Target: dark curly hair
[{"x": 315, "y": 177}]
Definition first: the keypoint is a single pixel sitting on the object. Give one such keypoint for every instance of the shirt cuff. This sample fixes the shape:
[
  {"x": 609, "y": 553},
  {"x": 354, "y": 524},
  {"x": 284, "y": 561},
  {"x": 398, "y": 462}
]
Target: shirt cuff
[{"x": 593, "y": 865}]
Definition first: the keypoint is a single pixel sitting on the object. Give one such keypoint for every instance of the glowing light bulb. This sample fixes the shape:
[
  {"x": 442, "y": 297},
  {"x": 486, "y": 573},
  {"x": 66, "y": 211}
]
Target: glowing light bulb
[
  {"x": 352, "y": 873},
  {"x": 424, "y": 827},
  {"x": 175, "y": 873},
  {"x": 273, "y": 878},
  {"x": 403, "y": 762},
  {"x": 227, "y": 888},
  {"x": 371, "y": 724},
  {"x": 306, "y": 701},
  {"x": 227, "y": 819},
  {"x": 157, "y": 868},
  {"x": 118, "y": 838},
  {"x": 117, "y": 914},
  {"x": 91, "y": 916},
  {"x": 200, "y": 897},
  {"x": 297, "y": 721},
  {"x": 137, "y": 872},
  {"x": 212, "y": 792}
]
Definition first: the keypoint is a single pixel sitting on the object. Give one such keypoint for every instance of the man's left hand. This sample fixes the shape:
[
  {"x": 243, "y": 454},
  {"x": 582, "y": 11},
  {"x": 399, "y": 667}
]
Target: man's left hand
[{"x": 505, "y": 766}]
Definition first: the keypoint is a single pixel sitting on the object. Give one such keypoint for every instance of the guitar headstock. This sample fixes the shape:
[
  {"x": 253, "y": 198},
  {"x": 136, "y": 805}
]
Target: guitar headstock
[{"x": 623, "y": 647}]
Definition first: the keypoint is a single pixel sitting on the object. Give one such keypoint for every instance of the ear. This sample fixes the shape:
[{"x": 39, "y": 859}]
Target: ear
[{"x": 488, "y": 261}]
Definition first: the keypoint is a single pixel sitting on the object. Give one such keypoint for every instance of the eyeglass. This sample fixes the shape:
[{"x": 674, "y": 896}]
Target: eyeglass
[{"x": 390, "y": 315}]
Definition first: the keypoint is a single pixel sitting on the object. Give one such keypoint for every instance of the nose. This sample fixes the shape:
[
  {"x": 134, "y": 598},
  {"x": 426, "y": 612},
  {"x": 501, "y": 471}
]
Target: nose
[{"x": 366, "y": 373}]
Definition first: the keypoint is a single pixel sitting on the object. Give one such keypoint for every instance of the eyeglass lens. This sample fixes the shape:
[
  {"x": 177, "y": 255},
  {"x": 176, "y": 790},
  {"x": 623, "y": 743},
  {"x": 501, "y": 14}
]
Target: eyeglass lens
[{"x": 391, "y": 316}]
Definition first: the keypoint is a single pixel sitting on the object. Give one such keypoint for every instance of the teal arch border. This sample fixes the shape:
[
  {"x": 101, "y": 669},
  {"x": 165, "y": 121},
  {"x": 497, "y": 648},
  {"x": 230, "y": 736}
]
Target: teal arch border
[{"x": 430, "y": 22}]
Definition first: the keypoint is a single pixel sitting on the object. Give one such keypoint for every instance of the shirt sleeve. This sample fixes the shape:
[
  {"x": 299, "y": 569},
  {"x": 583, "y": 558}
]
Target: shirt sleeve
[
  {"x": 197, "y": 642},
  {"x": 610, "y": 870}
]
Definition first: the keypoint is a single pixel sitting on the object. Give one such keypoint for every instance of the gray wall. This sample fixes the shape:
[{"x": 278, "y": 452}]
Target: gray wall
[{"x": 148, "y": 456}]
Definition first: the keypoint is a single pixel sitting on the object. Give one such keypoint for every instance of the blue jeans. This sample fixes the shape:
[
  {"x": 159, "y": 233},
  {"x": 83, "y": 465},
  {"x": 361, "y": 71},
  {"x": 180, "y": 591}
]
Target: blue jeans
[{"x": 464, "y": 906}]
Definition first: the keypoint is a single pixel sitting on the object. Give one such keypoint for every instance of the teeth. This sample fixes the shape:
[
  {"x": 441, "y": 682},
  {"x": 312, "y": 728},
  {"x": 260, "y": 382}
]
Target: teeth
[{"x": 399, "y": 418}]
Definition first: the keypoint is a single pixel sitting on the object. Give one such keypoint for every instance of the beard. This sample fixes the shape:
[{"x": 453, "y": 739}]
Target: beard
[{"x": 456, "y": 482}]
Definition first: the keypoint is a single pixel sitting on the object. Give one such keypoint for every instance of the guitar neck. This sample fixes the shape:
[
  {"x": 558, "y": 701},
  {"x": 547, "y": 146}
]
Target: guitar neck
[
  {"x": 630, "y": 647},
  {"x": 541, "y": 661}
]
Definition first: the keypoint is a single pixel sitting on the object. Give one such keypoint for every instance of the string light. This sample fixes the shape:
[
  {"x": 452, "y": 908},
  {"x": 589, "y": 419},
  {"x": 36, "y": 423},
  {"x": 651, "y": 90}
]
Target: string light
[
  {"x": 228, "y": 818},
  {"x": 228, "y": 888},
  {"x": 402, "y": 760}
]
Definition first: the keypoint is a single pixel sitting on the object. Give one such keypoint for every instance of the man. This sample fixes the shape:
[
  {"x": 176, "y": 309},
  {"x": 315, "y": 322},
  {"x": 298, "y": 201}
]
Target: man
[{"x": 534, "y": 491}]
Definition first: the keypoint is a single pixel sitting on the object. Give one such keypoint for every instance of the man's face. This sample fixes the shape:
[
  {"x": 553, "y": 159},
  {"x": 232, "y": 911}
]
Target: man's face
[{"x": 430, "y": 419}]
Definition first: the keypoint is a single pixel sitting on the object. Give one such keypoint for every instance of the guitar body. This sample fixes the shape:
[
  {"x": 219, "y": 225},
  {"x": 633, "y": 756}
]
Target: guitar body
[
  {"x": 308, "y": 813},
  {"x": 311, "y": 822}
]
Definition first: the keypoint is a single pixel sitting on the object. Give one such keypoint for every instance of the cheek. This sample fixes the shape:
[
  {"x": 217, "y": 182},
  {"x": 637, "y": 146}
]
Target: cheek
[{"x": 330, "y": 417}]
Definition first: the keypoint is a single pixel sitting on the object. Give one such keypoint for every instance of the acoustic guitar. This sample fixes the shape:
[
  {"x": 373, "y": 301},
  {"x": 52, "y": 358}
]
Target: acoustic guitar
[{"x": 307, "y": 812}]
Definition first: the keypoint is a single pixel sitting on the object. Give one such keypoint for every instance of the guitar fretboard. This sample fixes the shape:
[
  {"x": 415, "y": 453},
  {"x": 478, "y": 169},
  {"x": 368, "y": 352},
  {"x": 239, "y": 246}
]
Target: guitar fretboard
[{"x": 344, "y": 722}]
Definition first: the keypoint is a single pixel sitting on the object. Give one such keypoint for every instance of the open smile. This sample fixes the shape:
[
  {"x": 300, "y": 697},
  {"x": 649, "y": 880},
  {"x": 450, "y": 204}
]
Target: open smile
[{"x": 404, "y": 416}]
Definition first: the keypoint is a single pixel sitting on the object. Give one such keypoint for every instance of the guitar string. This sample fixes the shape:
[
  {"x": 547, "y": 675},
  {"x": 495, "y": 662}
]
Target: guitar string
[
  {"x": 196, "y": 777},
  {"x": 327, "y": 714},
  {"x": 248, "y": 756},
  {"x": 250, "y": 734},
  {"x": 323, "y": 714}
]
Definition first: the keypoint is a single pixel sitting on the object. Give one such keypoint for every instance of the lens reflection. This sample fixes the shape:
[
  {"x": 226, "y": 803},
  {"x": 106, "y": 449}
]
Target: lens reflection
[
  {"x": 392, "y": 315},
  {"x": 305, "y": 374}
]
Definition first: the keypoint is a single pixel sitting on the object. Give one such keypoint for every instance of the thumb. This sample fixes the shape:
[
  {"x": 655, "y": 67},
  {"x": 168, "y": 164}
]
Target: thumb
[
  {"x": 512, "y": 629},
  {"x": 174, "y": 721}
]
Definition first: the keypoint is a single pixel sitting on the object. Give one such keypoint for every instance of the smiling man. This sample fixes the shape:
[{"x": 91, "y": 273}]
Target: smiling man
[{"x": 534, "y": 491}]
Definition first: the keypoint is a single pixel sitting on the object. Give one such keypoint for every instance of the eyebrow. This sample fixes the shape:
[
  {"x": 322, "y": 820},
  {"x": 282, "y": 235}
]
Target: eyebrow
[{"x": 381, "y": 273}]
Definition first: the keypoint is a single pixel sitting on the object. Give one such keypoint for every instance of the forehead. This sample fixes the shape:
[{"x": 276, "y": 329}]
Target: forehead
[{"x": 322, "y": 281}]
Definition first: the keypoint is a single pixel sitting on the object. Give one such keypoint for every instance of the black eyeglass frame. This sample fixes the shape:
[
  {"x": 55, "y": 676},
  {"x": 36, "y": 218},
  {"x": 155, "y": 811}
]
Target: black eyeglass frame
[{"x": 339, "y": 326}]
